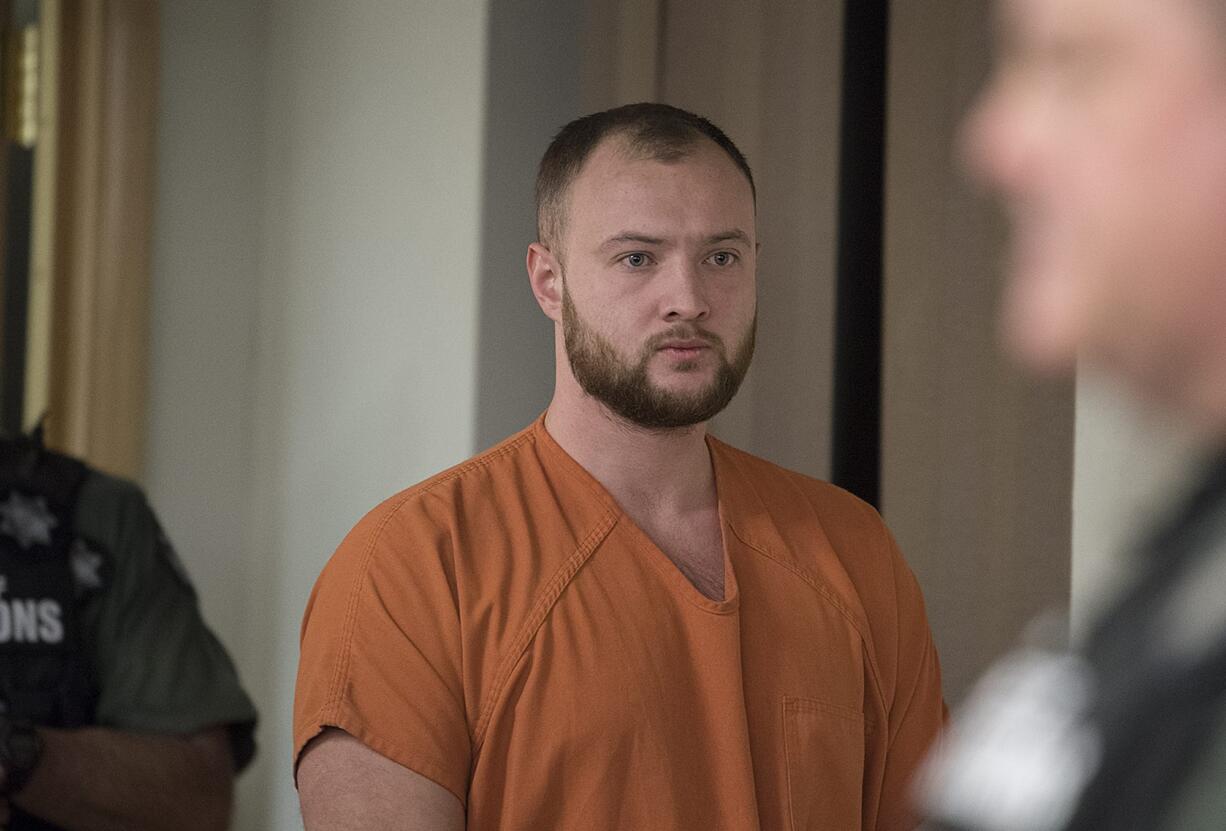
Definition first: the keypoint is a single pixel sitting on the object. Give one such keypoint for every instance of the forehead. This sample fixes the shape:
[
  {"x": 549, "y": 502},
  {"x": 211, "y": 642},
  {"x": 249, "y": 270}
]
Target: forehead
[
  {"x": 1101, "y": 20},
  {"x": 618, "y": 185}
]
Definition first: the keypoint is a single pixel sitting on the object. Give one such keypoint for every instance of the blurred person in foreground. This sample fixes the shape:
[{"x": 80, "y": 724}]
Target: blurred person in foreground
[
  {"x": 1104, "y": 129},
  {"x": 119, "y": 709},
  {"x": 612, "y": 619}
]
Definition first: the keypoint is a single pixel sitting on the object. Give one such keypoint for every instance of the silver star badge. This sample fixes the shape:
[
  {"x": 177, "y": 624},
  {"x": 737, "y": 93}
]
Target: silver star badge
[
  {"x": 26, "y": 520},
  {"x": 86, "y": 565}
]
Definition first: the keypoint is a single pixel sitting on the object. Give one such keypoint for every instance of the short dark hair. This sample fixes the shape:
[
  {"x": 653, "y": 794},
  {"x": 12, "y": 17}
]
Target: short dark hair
[{"x": 656, "y": 131}]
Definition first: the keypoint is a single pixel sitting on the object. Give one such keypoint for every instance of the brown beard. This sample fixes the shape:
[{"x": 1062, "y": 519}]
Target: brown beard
[{"x": 627, "y": 390}]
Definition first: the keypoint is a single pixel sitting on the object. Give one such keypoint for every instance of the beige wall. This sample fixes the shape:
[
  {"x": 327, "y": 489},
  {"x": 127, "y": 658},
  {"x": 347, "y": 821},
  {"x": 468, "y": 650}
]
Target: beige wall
[{"x": 977, "y": 459}]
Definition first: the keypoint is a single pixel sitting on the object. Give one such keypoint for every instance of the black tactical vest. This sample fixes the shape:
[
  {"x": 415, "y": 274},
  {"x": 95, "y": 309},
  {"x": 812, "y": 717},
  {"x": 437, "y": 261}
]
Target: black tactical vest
[
  {"x": 47, "y": 573},
  {"x": 45, "y": 673}
]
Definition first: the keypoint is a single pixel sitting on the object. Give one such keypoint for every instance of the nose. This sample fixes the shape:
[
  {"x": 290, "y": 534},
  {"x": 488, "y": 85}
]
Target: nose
[{"x": 684, "y": 295}]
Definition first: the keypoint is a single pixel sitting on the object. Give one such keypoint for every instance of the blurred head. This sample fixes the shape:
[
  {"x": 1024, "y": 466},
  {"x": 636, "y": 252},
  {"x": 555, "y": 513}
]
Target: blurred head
[
  {"x": 1104, "y": 130},
  {"x": 646, "y": 262}
]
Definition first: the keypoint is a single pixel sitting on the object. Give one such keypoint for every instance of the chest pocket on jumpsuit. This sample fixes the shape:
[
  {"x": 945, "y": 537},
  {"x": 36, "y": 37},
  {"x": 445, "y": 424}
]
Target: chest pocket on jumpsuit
[{"x": 824, "y": 745}]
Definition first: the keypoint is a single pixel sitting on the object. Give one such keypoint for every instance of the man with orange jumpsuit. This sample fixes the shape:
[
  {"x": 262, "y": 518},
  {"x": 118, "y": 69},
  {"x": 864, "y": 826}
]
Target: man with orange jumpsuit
[{"x": 612, "y": 619}]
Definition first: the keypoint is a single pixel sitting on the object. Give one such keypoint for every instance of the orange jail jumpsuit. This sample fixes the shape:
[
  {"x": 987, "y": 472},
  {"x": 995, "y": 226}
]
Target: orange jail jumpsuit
[{"x": 505, "y": 630}]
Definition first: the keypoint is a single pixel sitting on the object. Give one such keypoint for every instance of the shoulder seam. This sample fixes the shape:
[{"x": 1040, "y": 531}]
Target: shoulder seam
[
  {"x": 351, "y": 611},
  {"x": 479, "y": 461},
  {"x": 811, "y": 485},
  {"x": 893, "y": 733},
  {"x": 540, "y": 611}
]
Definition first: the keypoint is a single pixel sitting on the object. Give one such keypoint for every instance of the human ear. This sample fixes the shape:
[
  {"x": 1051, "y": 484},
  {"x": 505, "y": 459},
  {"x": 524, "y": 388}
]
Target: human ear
[{"x": 545, "y": 276}]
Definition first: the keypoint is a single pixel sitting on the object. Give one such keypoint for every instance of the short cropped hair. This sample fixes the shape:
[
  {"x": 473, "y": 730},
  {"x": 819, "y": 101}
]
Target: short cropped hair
[{"x": 653, "y": 131}]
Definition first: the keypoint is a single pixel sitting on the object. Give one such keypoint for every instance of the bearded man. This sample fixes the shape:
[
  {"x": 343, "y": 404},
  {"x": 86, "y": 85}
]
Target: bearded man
[{"x": 612, "y": 619}]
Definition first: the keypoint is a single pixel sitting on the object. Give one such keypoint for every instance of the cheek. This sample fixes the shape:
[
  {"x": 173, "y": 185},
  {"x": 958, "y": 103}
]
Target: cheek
[
  {"x": 1128, "y": 191},
  {"x": 1066, "y": 241},
  {"x": 738, "y": 295},
  {"x": 1176, "y": 212},
  {"x": 1163, "y": 240}
]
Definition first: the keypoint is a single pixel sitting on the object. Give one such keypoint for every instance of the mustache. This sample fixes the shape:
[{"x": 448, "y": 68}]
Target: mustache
[{"x": 684, "y": 332}]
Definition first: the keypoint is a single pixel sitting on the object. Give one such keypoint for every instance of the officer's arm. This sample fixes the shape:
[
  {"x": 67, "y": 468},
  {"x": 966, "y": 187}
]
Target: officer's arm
[
  {"x": 344, "y": 785},
  {"x": 97, "y": 777}
]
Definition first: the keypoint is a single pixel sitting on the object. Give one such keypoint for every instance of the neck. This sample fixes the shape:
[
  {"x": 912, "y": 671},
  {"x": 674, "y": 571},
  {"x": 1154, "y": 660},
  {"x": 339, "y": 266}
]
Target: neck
[{"x": 642, "y": 468}]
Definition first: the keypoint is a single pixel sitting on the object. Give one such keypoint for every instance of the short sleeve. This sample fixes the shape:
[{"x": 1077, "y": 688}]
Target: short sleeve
[
  {"x": 381, "y": 649},
  {"x": 917, "y": 712},
  {"x": 159, "y": 667}
]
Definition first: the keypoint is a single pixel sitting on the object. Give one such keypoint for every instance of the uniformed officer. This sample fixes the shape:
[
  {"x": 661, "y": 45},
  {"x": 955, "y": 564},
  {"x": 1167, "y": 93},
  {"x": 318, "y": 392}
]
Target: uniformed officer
[
  {"x": 118, "y": 707},
  {"x": 1105, "y": 131}
]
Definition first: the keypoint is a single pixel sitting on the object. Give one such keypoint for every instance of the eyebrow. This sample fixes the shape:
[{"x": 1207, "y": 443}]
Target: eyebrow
[
  {"x": 736, "y": 234},
  {"x": 629, "y": 236}
]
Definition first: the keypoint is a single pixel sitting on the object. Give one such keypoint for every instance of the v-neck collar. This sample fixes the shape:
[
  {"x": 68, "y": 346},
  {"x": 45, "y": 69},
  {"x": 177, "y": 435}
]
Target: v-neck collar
[{"x": 672, "y": 575}]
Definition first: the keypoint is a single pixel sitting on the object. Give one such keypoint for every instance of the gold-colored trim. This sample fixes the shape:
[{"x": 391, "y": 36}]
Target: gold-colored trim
[
  {"x": 38, "y": 321},
  {"x": 27, "y": 88},
  {"x": 103, "y": 231}
]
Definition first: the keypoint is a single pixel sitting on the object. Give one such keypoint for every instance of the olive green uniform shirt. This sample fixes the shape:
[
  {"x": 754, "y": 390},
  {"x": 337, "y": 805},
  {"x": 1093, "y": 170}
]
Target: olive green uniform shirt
[{"x": 159, "y": 668}]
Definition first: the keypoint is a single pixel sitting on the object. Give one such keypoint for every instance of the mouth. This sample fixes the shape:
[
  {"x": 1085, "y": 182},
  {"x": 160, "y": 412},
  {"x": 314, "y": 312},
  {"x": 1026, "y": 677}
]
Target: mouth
[{"x": 684, "y": 348}]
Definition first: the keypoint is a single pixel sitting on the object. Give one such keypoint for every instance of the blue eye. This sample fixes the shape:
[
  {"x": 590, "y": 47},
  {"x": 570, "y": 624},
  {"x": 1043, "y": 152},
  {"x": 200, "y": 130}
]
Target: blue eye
[
  {"x": 723, "y": 258},
  {"x": 635, "y": 260}
]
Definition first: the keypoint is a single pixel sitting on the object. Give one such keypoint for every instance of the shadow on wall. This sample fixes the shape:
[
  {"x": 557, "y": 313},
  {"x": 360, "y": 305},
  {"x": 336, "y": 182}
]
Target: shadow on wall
[{"x": 524, "y": 109}]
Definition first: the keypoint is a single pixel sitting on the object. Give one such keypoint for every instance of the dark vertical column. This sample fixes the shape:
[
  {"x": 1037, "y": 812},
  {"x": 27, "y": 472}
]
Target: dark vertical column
[
  {"x": 16, "y": 264},
  {"x": 16, "y": 192},
  {"x": 856, "y": 421}
]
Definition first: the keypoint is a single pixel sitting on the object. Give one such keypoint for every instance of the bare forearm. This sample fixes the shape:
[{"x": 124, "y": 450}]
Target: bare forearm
[
  {"x": 101, "y": 778},
  {"x": 344, "y": 785}
]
